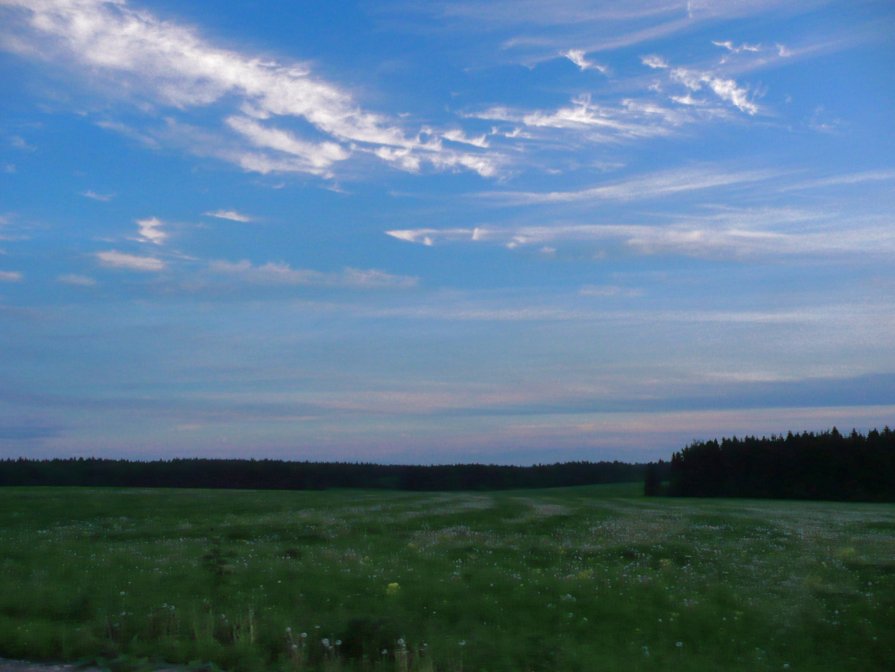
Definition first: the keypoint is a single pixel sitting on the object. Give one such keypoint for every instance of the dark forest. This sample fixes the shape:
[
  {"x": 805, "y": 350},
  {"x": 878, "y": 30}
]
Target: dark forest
[
  {"x": 828, "y": 465},
  {"x": 284, "y": 475},
  {"x": 821, "y": 466}
]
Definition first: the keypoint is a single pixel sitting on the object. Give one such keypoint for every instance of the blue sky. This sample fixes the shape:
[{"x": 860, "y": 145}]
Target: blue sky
[{"x": 505, "y": 231}]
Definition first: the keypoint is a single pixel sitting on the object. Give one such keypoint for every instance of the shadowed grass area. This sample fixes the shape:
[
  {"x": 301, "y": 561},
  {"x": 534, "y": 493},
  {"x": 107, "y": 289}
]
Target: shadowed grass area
[{"x": 567, "y": 579}]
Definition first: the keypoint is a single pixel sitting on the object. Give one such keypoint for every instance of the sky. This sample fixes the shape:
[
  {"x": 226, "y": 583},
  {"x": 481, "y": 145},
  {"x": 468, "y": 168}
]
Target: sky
[{"x": 445, "y": 231}]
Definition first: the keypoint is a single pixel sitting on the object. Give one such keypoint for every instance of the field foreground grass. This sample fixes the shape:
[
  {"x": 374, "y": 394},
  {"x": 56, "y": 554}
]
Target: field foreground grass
[{"x": 593, "y": 578}]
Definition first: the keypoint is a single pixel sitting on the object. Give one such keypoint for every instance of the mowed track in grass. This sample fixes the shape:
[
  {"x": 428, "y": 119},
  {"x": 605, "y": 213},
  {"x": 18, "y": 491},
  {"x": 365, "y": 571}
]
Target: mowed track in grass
[{"x": 593, "y": 578}]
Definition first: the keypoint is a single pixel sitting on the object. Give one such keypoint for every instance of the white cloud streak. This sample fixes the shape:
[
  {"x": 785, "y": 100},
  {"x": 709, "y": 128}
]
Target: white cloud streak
[
  {"x": 231, "y": 215},
  {"x": 129, "y": 262},
  {"x": 630, "y": 119},
  {"x": 724, "y": 237},
  {"x": 92, "y": 195},
  {"x": 695, "y": 80},
  {"x": 609, "y": 291},
  {"x": 76, "y": 280},
  {"x": 579, "y": 58},
  {"x": 172, "y": 66},
  {"x": 843, "y": 180},
  {"x": 731, "y": 47},
  {"x": 651, "y": 186},
  {"x": 278, "y": 273},
  {"x": 11, "y": 276},
  {"x": 654, "y": 62},
  {"x": 456, "y": 135},
  {"x": 311, "y": 157}
]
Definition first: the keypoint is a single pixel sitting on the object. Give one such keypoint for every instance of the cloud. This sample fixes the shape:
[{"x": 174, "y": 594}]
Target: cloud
[
  {"x": 734, "y": 49},
  {"x": 654, "y": 62},
  {"x": 558, "y": 13},
  {"x": 269, "y": 273},
  {"x": 629, "y": 119},
  {"x": 428, "y": 237},
  {"x": 18, "y": 142},
  {"x": 10, "y": 276},
  {"x": 151, "y": 231},
  {"x": 728, "y": 90},
  {"x": 650, "y": 186},
  {"x": 104, "y": 198},
  {"x": 76, "y": 280},
  {"x": 278, "y": 273},
  {"x": 843, "y": 180},
  {"x": 144, "y": 138},
  {"x": 582, "y": 113},
  {"x": 456, "y": 135},
  {"x": 232, "y": 215},
  {"x": 536, "y": 31},
  {"x": 723, "y": 235},
  {"x": 310, "y": 157},
  {"x": 170, "y": 65},
  {"x": 588, "y": 121},
  {"x": 577, "y": 56},
  {"x": 130, "y": 262},
  {"x": 687, "y": 99},
  {"x": 407, "y": 159},
  {"x": 607, "y": 291},
  {"x": 695, "y": 80},
  {"x": 357, "y": 277},
  {"x": 824, "y": 122}
]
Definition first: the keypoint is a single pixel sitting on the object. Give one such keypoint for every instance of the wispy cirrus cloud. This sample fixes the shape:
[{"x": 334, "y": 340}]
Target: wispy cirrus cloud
[
  {"x": 579, "y": 58},
  {"x": 231, "y": 215},
  {"x": 19, "y": 143},
  {"x": 94, "y": 196},
  {"x": 171, "y": 66},
  {"x": 278, "y": 273},
  {"x": 561, "y": 12},
  {"x": 653, "y": 112},
  {"x": 11, "y": 276},
  {"x": 518, "y": 25},
  {"x": 643, "y": 187},
  {"x": 609, "y": 291},
  {"x": 584, "y": 120},
  {"x": 458, "y": 136},
  {"x": 76, "y": 280},
  {"x": 732, "y": 235},
  {"x": 736, "y": 49},
  {"x": 129, "y": 262},
  {"x": 697, "y": 80},
  {"x": 849, "y": 179},
  {"x": 307, "y": 157},
  {"x": 533, "y": 32}
]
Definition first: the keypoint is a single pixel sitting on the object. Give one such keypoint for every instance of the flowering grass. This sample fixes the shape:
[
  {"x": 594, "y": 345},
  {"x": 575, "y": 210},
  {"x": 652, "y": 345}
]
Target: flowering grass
[{"x": 593, "y": 578}]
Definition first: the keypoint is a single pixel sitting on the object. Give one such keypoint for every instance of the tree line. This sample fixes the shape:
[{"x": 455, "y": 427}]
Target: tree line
[
  {"x": 286, "y": 475},
  {"x": 826, "y": 465}
]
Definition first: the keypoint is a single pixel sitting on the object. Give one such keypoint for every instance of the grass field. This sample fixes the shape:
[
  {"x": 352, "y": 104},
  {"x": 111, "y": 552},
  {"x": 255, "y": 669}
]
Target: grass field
[{"x": 594, "y": 578}]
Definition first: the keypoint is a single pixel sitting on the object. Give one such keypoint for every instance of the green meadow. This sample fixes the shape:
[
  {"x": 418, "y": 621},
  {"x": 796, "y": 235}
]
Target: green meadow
[{"x": 592, "y": 578}]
